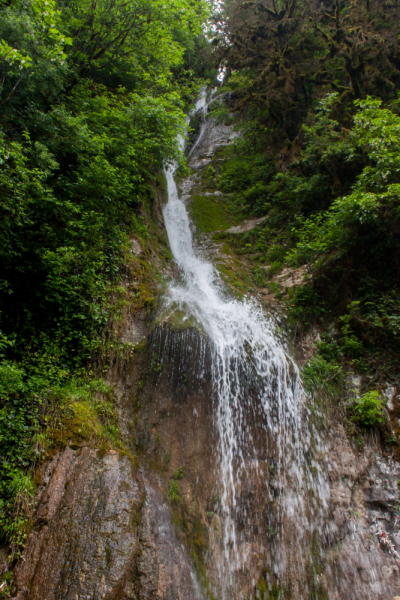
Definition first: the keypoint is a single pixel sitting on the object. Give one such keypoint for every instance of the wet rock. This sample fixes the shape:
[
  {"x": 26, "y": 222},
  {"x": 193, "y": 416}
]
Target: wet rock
[
  {"x": 103, "y": 532},
  {"x": 136, "y": 248},
  {"x": 289, "y": 278},
  {"x": 3, "y": 560},
  {"x": 246, "y": 225},
  {"x": 164, "y": 569},
  {"x": 134, "y": 332},
  {"x": 85, "y": 541},
  {"x": 214, "y": 136}
]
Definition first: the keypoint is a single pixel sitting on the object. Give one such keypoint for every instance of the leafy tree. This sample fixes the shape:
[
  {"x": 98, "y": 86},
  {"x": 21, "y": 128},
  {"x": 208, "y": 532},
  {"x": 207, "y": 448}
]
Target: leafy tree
[
  {"x": 93, "y": 96},
  {"x": 373, "y": 203},
  {"x": 280, "y": 54}
]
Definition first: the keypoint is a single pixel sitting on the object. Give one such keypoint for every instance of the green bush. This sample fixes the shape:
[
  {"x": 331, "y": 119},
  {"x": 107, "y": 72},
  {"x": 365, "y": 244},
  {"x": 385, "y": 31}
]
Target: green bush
[
  {"x": 368, "y": 409},
  {"x": 173, "y": 491},
  {"x": 173, "y": 487},
  {"x": 320, "y": 374}
]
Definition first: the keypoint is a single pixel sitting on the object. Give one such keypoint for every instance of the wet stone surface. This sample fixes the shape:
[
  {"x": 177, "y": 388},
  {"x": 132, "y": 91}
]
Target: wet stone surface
[{"x": 85, "y": 543}]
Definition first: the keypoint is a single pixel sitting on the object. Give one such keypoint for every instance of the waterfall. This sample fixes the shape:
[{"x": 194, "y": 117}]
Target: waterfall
[{"x": 259, "y": 409}]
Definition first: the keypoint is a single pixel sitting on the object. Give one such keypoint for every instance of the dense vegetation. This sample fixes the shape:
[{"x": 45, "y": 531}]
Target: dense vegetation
[
  {"x": 315, "y": 88},
  {"x": 92, "y": 96}
]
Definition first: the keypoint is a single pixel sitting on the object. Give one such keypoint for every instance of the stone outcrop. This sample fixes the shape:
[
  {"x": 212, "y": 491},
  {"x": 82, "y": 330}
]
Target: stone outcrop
[
  {"x": 102, "y": 533},
  {"x": 86, "y": 539}
]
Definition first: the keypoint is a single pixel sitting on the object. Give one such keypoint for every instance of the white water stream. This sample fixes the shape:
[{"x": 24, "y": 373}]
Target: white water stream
[{"x": 258, "y": 389}]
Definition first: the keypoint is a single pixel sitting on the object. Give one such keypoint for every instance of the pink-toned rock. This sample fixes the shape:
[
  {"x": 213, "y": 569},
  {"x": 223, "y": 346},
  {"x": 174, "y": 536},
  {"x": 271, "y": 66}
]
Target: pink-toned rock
[
  {"x": 102, "y": 532},
  {"x": 85, "y": 540}
]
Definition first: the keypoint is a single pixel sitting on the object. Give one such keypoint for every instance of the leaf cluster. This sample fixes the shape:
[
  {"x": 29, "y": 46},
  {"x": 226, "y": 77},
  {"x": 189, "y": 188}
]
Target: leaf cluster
[{"x": 368, "y": 409}]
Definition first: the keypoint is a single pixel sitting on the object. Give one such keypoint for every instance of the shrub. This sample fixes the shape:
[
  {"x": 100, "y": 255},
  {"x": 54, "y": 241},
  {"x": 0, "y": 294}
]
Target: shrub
[
  {"x": 322, "y": 375},
  {"x": 173, "y": 488},
  {"x": 368, "y": 410},
  {"x": 173, "y": 491}
]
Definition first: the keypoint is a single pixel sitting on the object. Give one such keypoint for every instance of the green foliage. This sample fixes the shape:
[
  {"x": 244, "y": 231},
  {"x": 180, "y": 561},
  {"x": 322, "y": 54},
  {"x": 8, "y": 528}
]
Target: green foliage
[
  {"x": 32, "y": 44},
  {"x": 41, "y": 406},
  {"x": 245, "y": 173},
  {"x": 372, "y": 206},
  {"x": 179, "y": 474},
  {"x": 335, "y": 207},
  {"x": 11, "y": 379},
  {"x": 329, "y": 128},
  {"x": 351, "y": 345},
  {"x": 173, "y": 491},
  {"x": 326, "y": 142},
  {"x": 173, "y": 487},
  {"x": 280, "y": 55},
  {"x": 320, "y": 374},
  {"x": 209, "y": 215},
  {"x": 305, "y": 304},
  {"x": 358, "y": 234},
  {"x": 368, "y": 409},
  {"x": 92, "y": 98}
]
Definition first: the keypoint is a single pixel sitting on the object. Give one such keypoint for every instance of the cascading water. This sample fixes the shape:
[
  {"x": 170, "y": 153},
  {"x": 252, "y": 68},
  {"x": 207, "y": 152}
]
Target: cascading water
[
  {"x": 277, "y": 486},
  {"x": 258, "y": 396}
]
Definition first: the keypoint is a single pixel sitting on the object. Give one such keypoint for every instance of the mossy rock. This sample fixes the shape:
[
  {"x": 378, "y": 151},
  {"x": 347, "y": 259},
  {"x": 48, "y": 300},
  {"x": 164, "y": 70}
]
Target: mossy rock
[
  {"x": 178, "y": 319},
  {"x": 263, "y": 591},
  {"x": 209, "y": 215}
]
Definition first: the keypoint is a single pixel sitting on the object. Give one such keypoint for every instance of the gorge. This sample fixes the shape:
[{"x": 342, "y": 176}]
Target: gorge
[
  {"x": 268, "y": 499},
  {"x": 229, "y": 430}
]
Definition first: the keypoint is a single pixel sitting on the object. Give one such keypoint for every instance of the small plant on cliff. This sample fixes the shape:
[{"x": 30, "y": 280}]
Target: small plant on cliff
[
  {"x": 320, "y": 374},
  {"x": 179, "y": 474},
  {"x": 156, "y": 364},
  {"x": 173, "y": 491},
  {"x": 368, "y": 410},
  {"x": 173, "y": 488},
  {"x": 271, "y": 530}
]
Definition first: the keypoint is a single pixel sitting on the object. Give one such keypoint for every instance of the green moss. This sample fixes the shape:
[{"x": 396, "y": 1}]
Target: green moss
[
  {"x": 262, "y": 591},
  {"x": 108, "y": 556},
  {"x": 230, "y": 277},
  {"x": 86, "y": 416},
  {"x": 198, "y": 549},
  {"x": 261, "y": 588},
  {"x": 162, "y": 185},
  {"x": 140, "y": 346},
  {"x": 178, "y": 319},
  {"x": 208, "y": 178},
  {"x": 236, "y": 275},
  {"x": 209, "y": 215}
]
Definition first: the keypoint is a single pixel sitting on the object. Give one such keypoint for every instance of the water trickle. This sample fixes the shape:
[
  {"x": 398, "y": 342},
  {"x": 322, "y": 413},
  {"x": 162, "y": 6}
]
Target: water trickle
[{"x": 259, "y": 404}]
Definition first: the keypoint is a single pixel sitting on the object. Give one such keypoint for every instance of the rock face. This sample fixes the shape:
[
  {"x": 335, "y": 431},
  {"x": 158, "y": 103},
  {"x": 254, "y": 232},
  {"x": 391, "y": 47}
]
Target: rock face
[
  {"x": 164, "y": 569},
  {"x": 87, "y": 542},
  {"x": 101, "y": 535},
  {"x": 362, "y": 499},
  {"x": 342, "y": 550}
]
